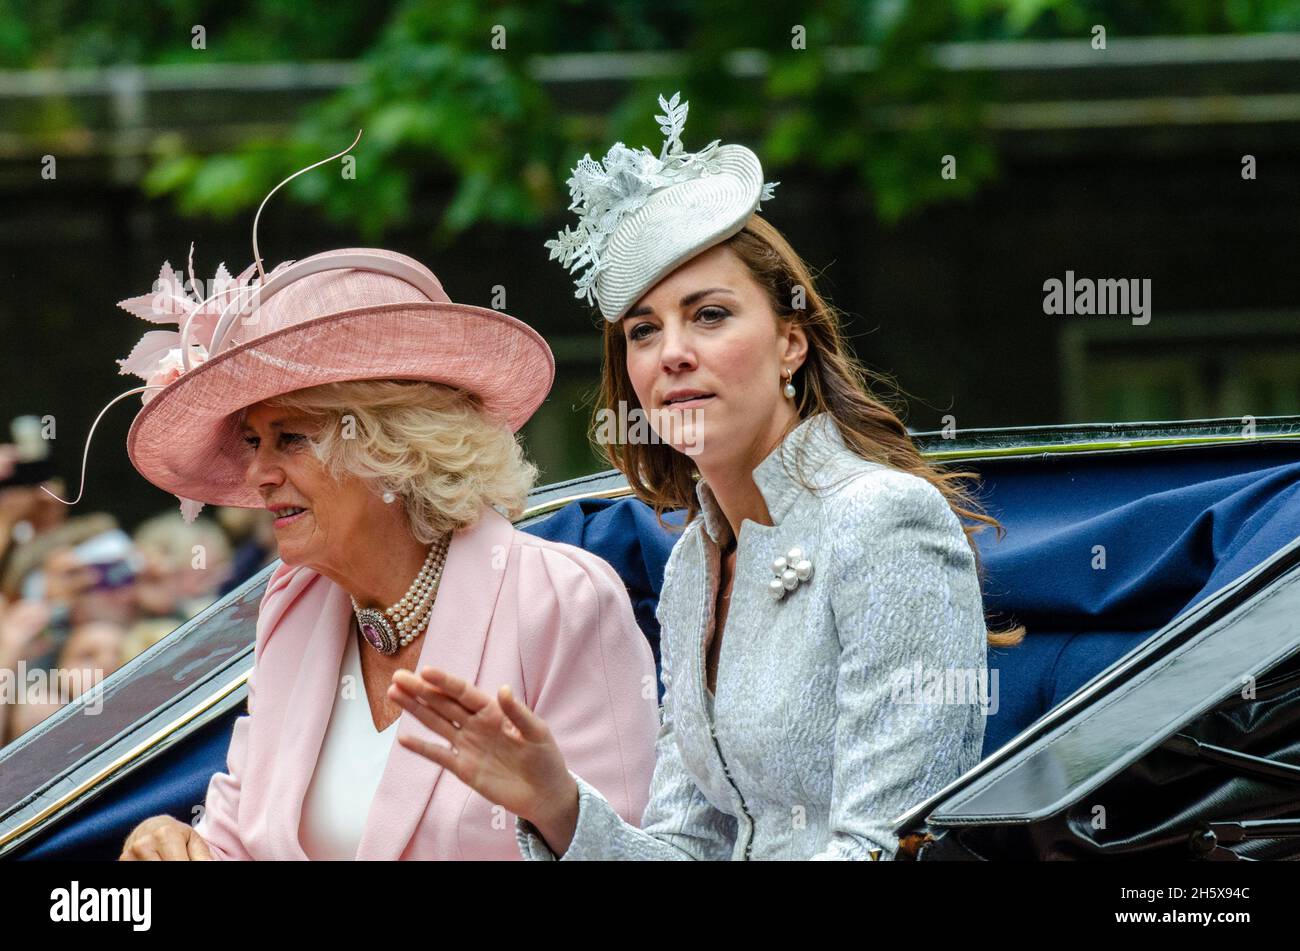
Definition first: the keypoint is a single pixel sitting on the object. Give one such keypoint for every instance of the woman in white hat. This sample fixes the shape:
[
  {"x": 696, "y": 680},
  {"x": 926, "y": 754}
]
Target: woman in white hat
[
  {"x": 826, "y": 548},
  {"x": 376, "y": 418}
]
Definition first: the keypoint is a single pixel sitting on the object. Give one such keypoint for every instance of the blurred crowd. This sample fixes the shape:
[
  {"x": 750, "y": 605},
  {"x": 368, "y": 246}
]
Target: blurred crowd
[{"x": 80, "y": 596}]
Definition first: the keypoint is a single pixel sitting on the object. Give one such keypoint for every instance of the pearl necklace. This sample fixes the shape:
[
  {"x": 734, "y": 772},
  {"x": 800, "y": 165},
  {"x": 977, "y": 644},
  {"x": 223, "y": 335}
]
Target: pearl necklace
[{"x": 390, "y": 630}]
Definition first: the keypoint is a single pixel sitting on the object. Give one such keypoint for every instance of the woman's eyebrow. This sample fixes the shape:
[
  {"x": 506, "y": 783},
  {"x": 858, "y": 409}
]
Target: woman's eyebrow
[
  {"x": 274, "y": 424},
  {"x": 685, "y": 302}
]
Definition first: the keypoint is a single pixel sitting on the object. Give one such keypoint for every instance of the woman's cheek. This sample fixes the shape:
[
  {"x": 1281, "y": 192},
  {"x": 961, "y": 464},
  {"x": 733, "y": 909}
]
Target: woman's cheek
[{"x": 640, "y": 372}]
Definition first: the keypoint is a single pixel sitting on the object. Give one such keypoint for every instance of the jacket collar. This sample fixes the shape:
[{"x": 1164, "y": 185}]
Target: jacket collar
[
  {"x": 455, "y": 640},
  {"x": 804, "y": 452}
]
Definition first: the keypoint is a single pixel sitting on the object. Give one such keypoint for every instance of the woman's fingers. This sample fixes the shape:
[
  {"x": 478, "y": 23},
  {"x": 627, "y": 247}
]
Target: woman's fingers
[
  {"x": 426, "y": 693},
  {"x": 431, "y": 718},
  {"x": 198, "y": 848},
  {"x": 440, "y": 713},
  {"x": 449, "y": 710},
  {"x": 530, "y": 726},
  {"x": 460, "y": 690},
  {"x": 172, "y": 845},
  {"x": 156, "y": 847},
  {"x": 440, "y": 754},
  {"x": 431, "y": 697},
  {"x": 452, "y": 708},
  {"x": 164, "y": 839}
]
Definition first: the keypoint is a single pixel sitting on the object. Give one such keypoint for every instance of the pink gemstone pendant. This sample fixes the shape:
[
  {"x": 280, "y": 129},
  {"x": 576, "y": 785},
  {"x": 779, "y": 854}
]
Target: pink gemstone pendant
[{"x": 377, "y": 631}]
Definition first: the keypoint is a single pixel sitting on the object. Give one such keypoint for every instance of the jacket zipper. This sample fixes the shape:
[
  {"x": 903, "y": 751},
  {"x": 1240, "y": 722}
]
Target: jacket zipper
[
  {"x": 726, "y": 771},
  {"x": 711, "y": 616}
]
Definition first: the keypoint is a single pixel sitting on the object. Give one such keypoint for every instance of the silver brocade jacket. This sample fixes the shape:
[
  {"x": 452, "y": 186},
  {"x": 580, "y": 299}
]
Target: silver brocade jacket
[{"x": 839, "y": 706}]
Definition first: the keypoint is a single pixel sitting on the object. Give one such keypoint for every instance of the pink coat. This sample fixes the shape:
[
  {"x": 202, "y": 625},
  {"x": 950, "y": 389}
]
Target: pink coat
[{"x": 551, "y": 620}]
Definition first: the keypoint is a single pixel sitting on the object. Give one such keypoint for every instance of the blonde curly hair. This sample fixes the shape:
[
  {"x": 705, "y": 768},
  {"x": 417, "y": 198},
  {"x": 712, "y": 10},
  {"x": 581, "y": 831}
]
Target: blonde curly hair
[{"x": 429, "y": 444}]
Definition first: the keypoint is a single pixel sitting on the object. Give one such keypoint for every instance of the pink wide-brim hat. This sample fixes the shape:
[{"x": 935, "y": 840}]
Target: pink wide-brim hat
[{"x": 341, "y": 323}]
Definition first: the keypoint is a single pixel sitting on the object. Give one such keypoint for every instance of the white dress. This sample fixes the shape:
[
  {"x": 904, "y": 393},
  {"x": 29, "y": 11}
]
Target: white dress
[{"x": 352, "y": 759}]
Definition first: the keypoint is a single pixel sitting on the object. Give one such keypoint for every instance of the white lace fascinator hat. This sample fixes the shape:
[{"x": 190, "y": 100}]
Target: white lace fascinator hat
[{"x": 641, "y": 216}]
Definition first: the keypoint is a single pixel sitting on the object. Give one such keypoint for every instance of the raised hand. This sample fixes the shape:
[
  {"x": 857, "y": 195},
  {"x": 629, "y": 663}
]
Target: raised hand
[
  {"x": 498, "y": 747},
  {"x": 66, "y": 578}
]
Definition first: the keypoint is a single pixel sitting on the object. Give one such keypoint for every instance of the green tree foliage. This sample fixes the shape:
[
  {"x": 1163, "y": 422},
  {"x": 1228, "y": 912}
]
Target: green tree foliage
[{"x": 862, "y": 98}]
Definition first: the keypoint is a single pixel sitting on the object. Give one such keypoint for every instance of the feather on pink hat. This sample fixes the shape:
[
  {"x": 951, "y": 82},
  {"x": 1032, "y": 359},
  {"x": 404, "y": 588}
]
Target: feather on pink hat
[{"x": 351, "y": 314}]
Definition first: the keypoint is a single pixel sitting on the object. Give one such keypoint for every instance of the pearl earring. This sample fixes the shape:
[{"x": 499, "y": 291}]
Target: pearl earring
[
  {"x": 389, "y": 497},
  {"x": 788, "y": 389}
]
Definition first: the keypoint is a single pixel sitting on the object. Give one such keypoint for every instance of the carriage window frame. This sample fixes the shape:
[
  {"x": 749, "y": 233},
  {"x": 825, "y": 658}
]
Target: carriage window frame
[{"x": 1181, "y": 366}]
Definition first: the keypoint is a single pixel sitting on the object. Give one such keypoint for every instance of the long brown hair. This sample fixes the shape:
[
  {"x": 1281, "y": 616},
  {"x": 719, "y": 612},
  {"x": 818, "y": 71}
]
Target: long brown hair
[{"x": 832, "y": 381}]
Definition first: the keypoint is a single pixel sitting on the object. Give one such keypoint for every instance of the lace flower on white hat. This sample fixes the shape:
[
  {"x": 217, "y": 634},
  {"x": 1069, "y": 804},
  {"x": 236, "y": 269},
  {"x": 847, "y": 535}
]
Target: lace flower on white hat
[{"x": 604, "y": 192}]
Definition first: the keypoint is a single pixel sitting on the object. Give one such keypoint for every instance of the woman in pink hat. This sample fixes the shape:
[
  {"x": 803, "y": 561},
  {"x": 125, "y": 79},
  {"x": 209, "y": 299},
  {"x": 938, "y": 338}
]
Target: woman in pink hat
[
  {"x": 823, "y": 565},
  {"x": 349, "y": 395}
]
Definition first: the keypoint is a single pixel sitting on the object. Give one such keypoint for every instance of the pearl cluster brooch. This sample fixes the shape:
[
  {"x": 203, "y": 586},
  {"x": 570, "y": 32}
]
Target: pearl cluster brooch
[
  {"x": 790, "y": 571},
  {"x": 390, "y": 630}
]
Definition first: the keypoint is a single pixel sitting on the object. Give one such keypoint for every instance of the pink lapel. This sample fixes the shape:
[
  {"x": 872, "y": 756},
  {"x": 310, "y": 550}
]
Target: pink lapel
[
  {"x": 458, "y": 629},
  {"x": 320, "y": 626}
]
